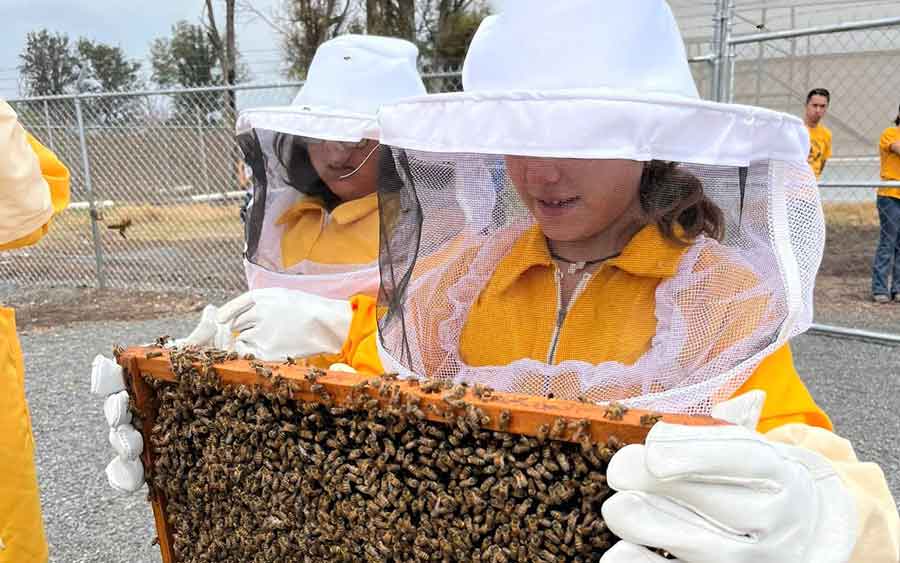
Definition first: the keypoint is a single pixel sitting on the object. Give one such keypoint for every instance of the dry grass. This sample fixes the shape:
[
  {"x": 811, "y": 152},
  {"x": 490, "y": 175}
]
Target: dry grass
[
  {"x": 842, "y": 215},
  {"x": 843, "y": 286},
  {"x": 155, "y": 223}
]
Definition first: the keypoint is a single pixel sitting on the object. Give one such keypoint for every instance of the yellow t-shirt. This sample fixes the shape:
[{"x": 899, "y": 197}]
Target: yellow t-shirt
[
  {"x": 890, "y": 161},
  {"x": 346, "y": 235},
  {"x": 819, "y": 148}
]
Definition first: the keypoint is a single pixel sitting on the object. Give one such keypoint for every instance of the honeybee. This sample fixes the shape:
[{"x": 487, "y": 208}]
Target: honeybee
[{"x": 615, "y": 411}]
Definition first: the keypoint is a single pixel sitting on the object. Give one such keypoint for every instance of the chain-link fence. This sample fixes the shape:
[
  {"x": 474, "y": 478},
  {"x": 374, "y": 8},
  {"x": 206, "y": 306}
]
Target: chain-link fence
[
  {"x": 156, "y": 188},
  {"x": 857, "y": 63}
]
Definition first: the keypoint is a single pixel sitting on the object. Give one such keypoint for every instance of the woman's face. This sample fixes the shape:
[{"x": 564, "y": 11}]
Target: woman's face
[
  {"x": 577, "y": 199},
  {"x": 334, "y": 160}
]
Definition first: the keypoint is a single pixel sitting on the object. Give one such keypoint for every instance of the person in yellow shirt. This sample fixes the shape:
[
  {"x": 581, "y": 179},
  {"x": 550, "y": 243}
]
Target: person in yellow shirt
[
  {"x": 311, "y": 226},
  {"x": 886, "y": 265},
  {"x": 34, "y": 185},
  {"x": 654, "y": 249},
  {"x": 817, "y": 101}
]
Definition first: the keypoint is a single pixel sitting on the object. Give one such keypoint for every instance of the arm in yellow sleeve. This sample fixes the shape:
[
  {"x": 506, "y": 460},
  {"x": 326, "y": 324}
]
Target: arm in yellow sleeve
[
  {"x": 878, "y": 531},
  {"x": 885, "y": 143},
  {"x": 359, "y": 350},
  {"x": 34, "y": 184},
  {"x": 55, "y": 174},
  {"x": 787, "y": 399}
]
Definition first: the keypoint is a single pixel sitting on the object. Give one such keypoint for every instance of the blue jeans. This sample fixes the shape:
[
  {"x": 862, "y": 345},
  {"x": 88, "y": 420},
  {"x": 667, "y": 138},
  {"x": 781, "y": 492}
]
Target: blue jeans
[{"x": 887, "y": 255}]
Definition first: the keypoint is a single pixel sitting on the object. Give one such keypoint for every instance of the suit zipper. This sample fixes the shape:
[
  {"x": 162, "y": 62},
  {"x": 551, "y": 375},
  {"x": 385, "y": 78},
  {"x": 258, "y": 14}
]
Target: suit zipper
[{"x": 562, "y": 312}]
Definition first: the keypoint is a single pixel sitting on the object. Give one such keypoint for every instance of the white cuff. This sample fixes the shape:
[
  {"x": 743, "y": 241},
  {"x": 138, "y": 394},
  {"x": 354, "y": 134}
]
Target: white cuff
[
  {"x": 126, "y": 441},
  {"x": 115, "y": 407},
  {"x": 106, "y": 376},
  {"x": 125, "y": 476}
]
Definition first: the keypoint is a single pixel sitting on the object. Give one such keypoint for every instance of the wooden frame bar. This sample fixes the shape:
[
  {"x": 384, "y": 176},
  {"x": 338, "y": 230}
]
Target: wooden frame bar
[{"x": 528, "y": 415}]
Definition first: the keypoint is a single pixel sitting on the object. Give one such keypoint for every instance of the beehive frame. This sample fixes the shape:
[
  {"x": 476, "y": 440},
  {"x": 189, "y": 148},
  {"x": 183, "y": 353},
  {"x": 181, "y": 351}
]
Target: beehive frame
[{"x": 527, "y": 415}]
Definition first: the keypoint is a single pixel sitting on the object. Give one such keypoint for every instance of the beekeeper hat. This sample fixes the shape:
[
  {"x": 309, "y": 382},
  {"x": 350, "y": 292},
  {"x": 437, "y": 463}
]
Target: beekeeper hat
[
  {"x": 349, "y": 78},
  {"x": 597, "y": 79}
]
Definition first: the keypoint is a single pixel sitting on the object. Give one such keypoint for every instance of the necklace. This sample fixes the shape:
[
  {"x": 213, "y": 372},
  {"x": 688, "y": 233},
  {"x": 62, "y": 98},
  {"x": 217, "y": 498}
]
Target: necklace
[{"x": 578, "y": 265}]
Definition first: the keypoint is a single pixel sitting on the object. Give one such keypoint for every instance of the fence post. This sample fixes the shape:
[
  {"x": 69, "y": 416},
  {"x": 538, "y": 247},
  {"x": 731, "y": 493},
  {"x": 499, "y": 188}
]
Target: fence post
[
  {"x": 717, "y": 45},
  {"x": 98, "y": 247},
  {"x": 723, "y": 51},
  {"x": 732, "y": 62}
]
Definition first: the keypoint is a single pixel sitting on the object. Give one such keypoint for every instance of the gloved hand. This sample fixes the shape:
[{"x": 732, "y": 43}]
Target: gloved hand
[
  {"x": 125, "y": 472},
  {"x": 208, "y": 332},
  {"x": 274, "y": 323},
  {"x": 726, "y": 494}
]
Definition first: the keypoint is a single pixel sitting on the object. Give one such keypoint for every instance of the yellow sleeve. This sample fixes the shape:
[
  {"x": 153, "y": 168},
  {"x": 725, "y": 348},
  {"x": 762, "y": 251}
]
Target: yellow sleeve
[
  {"x": 55, "y": 174},
  {"x": 827, "y": 152},
  {"x": 787, "y": 398},
  {"x": 359, "y": 350},
  {"x": 34, "y": 184},
  {"x": 887, "y": 139},
  {"x": 878, "y": 532}
]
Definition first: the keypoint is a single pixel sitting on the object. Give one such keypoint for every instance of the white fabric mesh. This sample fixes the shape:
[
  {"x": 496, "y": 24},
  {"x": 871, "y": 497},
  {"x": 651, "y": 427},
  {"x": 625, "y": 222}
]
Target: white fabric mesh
[
  {"x": 730, "y": 304},
  {"x": 272, "y": 196}
]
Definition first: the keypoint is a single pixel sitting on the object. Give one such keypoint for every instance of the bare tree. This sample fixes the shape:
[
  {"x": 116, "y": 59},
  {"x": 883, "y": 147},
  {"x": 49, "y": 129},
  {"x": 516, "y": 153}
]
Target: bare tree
[
  {"x": 227, "y": 51},
  {"x": 395, "y": 18},
  {"x": 441, "y": 28},
  {"x": 446, "y": 27},
  {"x": 271, "y": 18},
  {"x": 309, "y": 23}
]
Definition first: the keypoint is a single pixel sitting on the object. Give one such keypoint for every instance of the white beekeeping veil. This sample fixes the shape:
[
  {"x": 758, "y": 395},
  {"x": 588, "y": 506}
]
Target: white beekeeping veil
[
  {"x": 349, "y": 78},
  {"x": 566, "y": 86}
]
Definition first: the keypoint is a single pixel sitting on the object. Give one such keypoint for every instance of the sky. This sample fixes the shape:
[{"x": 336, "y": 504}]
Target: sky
[{"x": 131, "y": 25}]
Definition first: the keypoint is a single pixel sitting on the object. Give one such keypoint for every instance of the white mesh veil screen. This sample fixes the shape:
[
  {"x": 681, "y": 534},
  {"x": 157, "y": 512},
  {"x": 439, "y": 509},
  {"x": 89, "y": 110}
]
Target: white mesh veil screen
[
  {"x": 283, "y": 175},
  {"x": 453, "y": 227}
]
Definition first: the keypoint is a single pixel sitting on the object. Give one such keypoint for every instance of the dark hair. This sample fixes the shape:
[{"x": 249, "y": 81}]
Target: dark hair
[
  {"x": 897, "y": 120},
  {"x": 672, "y": 197},
  {"x": 293, "y": 155},
  {"x": 819, "y": 92}
]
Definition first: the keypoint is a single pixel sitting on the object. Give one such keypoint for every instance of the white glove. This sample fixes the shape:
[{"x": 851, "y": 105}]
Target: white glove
[
  {"x": 125, "y": 472},
  {"x": 274, "y": 323},
  {"x": 726, "y": 494},
  {"x": 208, "y": 332}
]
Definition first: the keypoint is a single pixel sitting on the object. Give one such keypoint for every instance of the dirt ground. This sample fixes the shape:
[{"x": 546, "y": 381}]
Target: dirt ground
[
  {"x": 843, "y": 287},
  {"x": 46, "y": 308}
]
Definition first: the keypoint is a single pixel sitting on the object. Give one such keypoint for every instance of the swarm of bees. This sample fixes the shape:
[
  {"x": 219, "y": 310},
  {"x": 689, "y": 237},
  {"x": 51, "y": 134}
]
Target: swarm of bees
[{"x": 253, "y": 475}]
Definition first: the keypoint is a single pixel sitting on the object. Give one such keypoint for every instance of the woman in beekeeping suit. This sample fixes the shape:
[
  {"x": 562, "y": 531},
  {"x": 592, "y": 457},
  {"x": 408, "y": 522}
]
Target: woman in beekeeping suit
[
  {"x": 312, "y": 224},
  {"x": 654, "y": 249},
  {"x": 311, "y": 229},
  {"x": 34, "y": 185}
]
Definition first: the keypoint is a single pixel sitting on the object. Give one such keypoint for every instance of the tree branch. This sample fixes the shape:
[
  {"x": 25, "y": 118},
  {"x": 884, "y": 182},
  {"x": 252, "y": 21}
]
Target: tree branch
[
  {"x": 213, "y": 29},
  {"x": 247, "y": 6}
]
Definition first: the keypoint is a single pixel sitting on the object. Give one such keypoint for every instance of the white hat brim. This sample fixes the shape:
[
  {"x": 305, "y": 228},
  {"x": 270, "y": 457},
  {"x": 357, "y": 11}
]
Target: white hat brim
[
  {"x": 594, "y": 123},
  {"x": 308, "y": 121}
]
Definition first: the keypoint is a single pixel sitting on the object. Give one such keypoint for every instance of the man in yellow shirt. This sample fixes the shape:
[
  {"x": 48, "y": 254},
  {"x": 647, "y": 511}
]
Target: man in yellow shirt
[
  {"x": 887, "y": 255},
  {"x": 819, "y": 136},
  {"x": 34, "y": 185}
]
